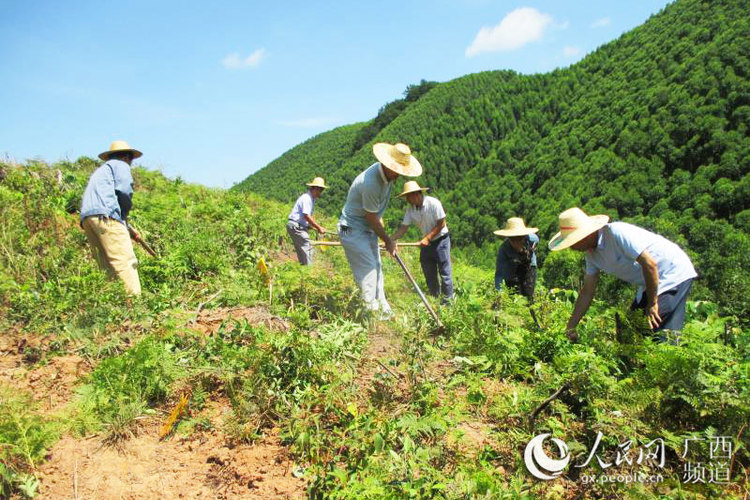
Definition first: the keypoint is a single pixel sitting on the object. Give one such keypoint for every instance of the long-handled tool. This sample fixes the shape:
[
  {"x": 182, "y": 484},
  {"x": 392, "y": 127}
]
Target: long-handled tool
[
  {"x": 338, "y": 244},
  {"x": 137, "y": 237},
  {"x": 440, "y": 326},
  {"x": 536, "y": 321}
]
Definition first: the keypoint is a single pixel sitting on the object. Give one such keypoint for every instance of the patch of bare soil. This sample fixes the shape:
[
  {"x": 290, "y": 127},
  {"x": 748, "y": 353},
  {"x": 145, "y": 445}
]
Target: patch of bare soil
[
  {"x": 379, "y": 376},
  {"x": 209, "y": 321},
  {"x": 50, "y": 381},
  {"x": 200, "y": 465}
]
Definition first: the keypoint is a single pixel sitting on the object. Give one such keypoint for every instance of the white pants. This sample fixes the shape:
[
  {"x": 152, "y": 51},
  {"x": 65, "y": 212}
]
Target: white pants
[{"x": 361, "y": 249}]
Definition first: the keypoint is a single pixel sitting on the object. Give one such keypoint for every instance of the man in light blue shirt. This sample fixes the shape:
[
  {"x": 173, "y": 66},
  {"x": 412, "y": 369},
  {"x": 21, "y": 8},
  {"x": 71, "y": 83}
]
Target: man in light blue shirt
[
  {"x": 662, "y": 271},
  {"x": 105, "y": 205},
  {"x": 361, "y": 224},
  {"x": 300, "y": 219}
]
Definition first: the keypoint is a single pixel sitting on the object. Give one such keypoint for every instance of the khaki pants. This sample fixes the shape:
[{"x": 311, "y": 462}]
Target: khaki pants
[{"x": 113, "y": 250}]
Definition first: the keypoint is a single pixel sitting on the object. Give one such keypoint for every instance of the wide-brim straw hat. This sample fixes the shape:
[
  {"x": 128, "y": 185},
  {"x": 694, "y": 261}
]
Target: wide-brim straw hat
[
  {"x": 515, "y": 227},
  {"x": 398, "y": 158},
  {"x": 411, "y": 187},
  {"x": 575, "y": 225},
  {"x": 317, "y": 182},
  {"x": 118, "y": 146}
]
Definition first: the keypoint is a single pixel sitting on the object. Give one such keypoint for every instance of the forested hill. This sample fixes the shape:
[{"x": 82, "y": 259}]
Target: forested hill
[{"x": 651, "y": 128}]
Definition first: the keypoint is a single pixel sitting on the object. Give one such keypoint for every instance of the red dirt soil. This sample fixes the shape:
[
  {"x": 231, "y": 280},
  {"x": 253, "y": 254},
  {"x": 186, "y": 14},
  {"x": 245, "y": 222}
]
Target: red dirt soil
[
  {"x": 196, "y": 466},
  {"x": 199, "y": 465}
]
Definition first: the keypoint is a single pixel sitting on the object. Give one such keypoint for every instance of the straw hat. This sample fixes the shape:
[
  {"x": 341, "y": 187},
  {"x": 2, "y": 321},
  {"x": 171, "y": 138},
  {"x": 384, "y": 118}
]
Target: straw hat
[
  {"x": 318, "y": 182},
  {"x": 118, "y": 146},
  {"x": 515, "y": 227},
  {"x": 411, "y": 187},
  {"x": 575, "y": 225},
  {"x": 397, "y": 158}
]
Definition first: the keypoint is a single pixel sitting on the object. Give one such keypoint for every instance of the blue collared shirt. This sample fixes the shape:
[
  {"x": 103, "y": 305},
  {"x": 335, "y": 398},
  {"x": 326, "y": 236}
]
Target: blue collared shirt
[
  {"x": 304, "y": 205},
  {"x": 99, "y": 198},
  {"x": 620, "y": 244},
  {"x": 369, "y": 192},
  {"x": 508, "y": 260}
]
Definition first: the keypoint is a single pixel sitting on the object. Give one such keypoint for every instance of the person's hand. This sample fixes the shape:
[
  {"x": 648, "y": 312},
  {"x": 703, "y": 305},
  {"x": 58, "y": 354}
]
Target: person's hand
[
  {"x": 572, "y": 334},
  {"x": 652, "y": 313},
  {"x": 390, "y": 246},
  {"x": 322, "y": 231},
  {"x": 425, "y": 242}
]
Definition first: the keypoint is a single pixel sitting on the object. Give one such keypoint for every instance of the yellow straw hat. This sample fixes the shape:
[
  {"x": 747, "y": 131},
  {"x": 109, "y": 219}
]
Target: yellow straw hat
[
  {"x": 575, "y": 225},
  {"x": 397, "y": 158},
  {"x": 118, "y": 146},
  {"x": 515, "y": 227},
  {"x": 411, "y": 187},
  {"x": 317, "y": 182}
]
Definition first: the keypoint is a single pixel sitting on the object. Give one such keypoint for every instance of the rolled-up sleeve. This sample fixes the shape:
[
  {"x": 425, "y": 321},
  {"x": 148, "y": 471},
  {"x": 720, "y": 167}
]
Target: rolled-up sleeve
[
  {"x": 371, "y": 198},
  {"x": 307, "y": 205},
  {"x": 590, "y": 267}
]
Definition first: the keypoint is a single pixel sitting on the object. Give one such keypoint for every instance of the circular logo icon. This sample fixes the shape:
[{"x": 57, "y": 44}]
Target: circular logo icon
[{"x": 539, "y": 464}]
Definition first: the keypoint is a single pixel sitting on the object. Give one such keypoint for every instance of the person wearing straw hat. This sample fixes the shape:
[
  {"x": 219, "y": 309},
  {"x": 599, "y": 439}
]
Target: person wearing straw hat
[
  {"x": 660, "y": 268},
  {"x": 515, "y": 264},
  {"x": 361, "y": 224},
  {"x": 300, "y": 219},
  {"x": 426, "y": 212},
  {"x": 105, "y": 206}
]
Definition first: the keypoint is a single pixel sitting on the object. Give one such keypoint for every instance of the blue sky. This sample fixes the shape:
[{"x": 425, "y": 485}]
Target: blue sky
[{"x": 212, "y": 91}]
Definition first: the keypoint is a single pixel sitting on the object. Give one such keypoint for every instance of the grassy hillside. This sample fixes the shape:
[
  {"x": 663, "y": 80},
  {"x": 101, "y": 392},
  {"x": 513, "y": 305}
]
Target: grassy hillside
[
  {"x": 651, "y": 128},
  {"x": 225, "y": 380}
]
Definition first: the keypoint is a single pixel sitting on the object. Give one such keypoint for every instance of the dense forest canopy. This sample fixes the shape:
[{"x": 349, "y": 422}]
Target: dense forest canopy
[{"x": 651, "y": 128}]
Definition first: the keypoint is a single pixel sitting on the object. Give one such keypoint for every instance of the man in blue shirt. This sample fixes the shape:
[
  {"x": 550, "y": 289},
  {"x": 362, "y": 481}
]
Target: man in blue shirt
[
  {"x": 300, "y": 219},
  {"x": 105, "y": 205},
  {"x": 516, "y": 258},
  {"x": 661, "y": 269},
  {"x": 361, "y": 224}
]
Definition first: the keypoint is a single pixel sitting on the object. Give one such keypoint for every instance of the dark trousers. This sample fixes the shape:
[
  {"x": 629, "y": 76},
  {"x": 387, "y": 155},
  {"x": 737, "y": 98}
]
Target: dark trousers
[
  {"x": 436, "y": 259},
  {"x": 671, "y": 306},
  {"x": 524, "y": 281}
]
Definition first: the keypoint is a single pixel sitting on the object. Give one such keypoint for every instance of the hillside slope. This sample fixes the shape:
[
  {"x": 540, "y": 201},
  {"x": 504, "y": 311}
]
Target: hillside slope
[
  {"x": 230, "y": 379},
  {"x": 651, "y": 128}
]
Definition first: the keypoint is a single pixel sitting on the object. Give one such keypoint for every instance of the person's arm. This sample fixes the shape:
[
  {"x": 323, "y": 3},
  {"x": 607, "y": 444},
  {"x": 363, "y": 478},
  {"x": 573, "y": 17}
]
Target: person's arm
[
  {"x": 533, "y": 242},
  {"x": 400, "y": 232},
  {"x": 376, "y": 225},
  {"x": 582, "y": 304},
  {"x": 434, "y": 232},
  {"x": 126, "y": 203},
  {"x": 651, "y": 275},
  {"x": 315, "y": 225},
  {"x": 123, "y": 183}
]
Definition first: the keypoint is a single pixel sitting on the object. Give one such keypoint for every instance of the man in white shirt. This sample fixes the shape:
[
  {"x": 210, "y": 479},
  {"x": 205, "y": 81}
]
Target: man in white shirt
[
  {"x": 361, "y": 224},
  {"x": 662, "y": 271},
  {"x": 300, "y": 219},
  {"x": 428, "y": 215}
]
